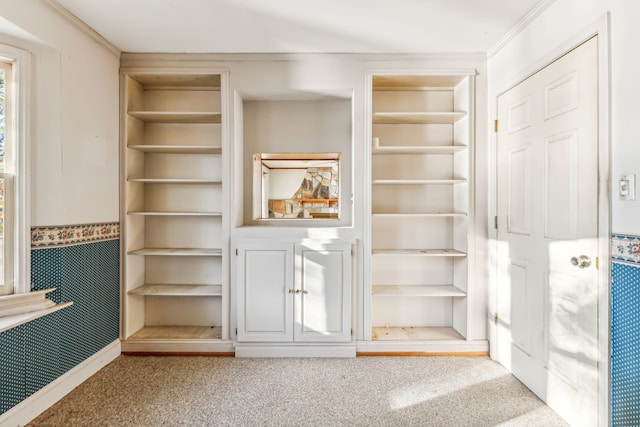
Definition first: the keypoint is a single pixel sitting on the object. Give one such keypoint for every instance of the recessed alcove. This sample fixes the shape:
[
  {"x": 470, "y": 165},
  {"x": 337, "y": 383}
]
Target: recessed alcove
[{"x": 303, "y": 124}]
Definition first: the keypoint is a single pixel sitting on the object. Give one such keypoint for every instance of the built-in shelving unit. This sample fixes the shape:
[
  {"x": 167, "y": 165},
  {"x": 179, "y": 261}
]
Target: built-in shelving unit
[
  {"x": 420, "y": 207},
  {"x": 175, "y": 286}
]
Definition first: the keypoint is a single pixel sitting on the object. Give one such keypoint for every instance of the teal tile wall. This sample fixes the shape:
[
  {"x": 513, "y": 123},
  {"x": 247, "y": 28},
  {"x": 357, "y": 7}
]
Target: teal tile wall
[
  {"x": 34, "y": 354},
  {"x": 625, "y": 330},
  {"x": 13, "y": 388}
]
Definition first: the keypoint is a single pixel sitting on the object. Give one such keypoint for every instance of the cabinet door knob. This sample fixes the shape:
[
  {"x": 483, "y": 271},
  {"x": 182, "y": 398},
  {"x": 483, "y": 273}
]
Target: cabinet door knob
[
  {"x": 290, "y": 291},
  {"x": 301, "y": 291}
]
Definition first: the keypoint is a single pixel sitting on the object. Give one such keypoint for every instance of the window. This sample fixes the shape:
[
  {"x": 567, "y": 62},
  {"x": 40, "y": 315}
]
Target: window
[
  {"x": 6, "y": 181},
  {"x": 14, "y": 227},
  {"x": 296, "y": 186}
]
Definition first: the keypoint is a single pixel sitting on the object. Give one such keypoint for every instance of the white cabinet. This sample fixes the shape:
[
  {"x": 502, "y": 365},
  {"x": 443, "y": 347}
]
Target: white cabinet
[
  {"x": 296, "y": 292},
  {"x": 173, "y": 211},
  {"x": 420, "y": 207}
]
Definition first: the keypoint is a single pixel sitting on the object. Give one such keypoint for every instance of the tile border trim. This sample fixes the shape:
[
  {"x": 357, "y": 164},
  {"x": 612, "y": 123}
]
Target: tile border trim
[
  {"x": 71, "y": 235},
  {"x": 625, "y": 248}
]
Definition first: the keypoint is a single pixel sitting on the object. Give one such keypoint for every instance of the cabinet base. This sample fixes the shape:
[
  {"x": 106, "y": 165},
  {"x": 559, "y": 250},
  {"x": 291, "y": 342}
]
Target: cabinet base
[
  {"x": 177, "y": 346},
  {"x": 270, "y": 350},
  {"x": 426, "y": 348}
]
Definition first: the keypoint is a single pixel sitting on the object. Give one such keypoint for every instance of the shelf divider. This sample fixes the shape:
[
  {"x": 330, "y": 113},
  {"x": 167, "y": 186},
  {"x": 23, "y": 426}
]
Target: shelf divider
[
  {"x": 417, "y": 291},
  {"x": 184, "y": 290},
  {"x": 177, "y": 252},
  {"x": 203, "y": 117},
  {"x": 419, "y": 252},
  {"x": 176, "y": 149},
  {"x": 418, "y": 117}
]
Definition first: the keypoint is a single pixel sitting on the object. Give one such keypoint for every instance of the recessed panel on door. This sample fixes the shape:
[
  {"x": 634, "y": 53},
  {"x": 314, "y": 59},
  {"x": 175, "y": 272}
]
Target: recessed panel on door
[
  {"x": 519, "y": 115},
  {"x": 323, "y": 279},
  {"x": 561, "y": 96},
  {"x": 518, "y": 203},
  {"x": 521, "y": 305},
  {"x": 561, "y": 186},
  {"x": 266, "y": 279},
  {"x": 564, "y": 326}
]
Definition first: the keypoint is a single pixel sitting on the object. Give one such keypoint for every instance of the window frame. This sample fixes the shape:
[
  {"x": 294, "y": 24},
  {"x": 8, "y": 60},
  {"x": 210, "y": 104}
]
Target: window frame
[{"x": 18, "y": 239}]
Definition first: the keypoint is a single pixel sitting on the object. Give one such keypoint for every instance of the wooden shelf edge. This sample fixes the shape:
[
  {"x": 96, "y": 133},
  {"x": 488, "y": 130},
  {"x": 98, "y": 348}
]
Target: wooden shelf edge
[
  {"x": 174, "y": 181},
  {"x": 418, "y": 181},
  {"x": 419, "y": 215},
  {"x": 408, "y": 117},
  {"x": 419, "y": 252},
  {"x": 184, "y": 290},
  {"x": 176, "y": 252},
  {"x": 156, "y": 213},
  {"x": 175, "y": 149},
  {"x": 186, "y": 117},
  {"x": 427, "y": 291},
  {"x": 441, "y": 149}
]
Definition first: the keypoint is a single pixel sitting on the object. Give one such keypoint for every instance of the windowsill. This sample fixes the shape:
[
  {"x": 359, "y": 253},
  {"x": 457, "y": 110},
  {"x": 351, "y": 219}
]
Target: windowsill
[{"x": 26, "y": 307}]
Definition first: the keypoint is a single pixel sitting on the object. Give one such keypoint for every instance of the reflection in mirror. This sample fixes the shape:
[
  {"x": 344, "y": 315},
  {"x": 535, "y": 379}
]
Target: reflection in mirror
[{"x": 296, "y": 185}]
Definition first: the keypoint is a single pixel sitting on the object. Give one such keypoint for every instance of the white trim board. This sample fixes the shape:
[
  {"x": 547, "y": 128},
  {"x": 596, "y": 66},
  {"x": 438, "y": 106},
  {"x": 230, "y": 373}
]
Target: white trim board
[
  {"x": 519, "y": 26},
  {"x": 27, "y": 410},
  {"x": 83, "y": 27},
  {"x": 267, "y": 351}
]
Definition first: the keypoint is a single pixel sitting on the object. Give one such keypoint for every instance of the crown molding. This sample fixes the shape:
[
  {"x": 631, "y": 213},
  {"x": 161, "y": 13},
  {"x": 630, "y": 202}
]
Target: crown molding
[
  {"x": 83, "y": 27},
  {"x": 519, "y": 26}
]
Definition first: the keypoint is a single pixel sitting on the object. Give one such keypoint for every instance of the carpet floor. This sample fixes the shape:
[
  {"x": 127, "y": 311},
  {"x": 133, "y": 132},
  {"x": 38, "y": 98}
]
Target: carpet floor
[{"x": 364, "y": 391}]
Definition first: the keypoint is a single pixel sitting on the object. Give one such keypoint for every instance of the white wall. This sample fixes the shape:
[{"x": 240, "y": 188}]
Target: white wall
[
  {"x": 561, "y": 22},
  {"x": 73, "y": 123},
  {"x": 298, "y": 126},
  {"x": 285, "y": 182}
]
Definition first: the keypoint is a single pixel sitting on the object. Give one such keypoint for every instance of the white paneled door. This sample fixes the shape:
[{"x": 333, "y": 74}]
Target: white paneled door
[{"x": 548, "y": 233}]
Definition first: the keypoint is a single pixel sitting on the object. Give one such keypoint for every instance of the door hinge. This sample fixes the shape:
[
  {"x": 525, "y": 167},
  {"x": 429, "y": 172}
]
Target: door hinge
[
  {"x": 236, "y": 252},
  {"x": 495, "y": 222},
  {"x": 495, "y": 318},
  {"x": 236, "y": 331},
  {"x": 597, "y": 263},
  {"x": 495, "y": 126},
  {"x": 351, "y": 331}
]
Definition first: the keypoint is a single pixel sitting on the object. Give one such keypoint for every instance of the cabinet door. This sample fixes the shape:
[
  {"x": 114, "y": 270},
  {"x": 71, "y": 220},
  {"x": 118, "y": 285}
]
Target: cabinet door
[
  {"x": 323, "y": 292},
  {"x": 265, "y": 276}
]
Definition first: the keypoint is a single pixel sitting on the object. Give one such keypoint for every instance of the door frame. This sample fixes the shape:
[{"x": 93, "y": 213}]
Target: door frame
[{"x": 601, "y": 29}]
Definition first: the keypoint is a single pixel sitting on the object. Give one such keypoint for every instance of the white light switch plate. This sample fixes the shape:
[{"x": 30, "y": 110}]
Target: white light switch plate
[{"x": 627, "y": 187}]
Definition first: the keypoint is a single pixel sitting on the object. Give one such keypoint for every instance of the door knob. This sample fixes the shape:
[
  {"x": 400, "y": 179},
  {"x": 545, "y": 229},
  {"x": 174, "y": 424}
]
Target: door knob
[{"x": 582, "y": 261}]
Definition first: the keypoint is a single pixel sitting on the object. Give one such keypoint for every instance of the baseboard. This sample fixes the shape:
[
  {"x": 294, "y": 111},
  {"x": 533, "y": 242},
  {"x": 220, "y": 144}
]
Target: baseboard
[
  {"x": 424, "y": 348},
  {"x": 178, "y": 354},
  {"x": 256, "y": 350},
  {"x": 195, "y": 347},
  {"x": 37, "y": 403},
  {"x": 422, "y": 353}
]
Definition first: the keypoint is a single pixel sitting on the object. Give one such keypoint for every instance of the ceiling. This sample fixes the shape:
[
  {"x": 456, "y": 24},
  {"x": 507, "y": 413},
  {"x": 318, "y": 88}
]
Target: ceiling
[{"x": 302, "y": 26}]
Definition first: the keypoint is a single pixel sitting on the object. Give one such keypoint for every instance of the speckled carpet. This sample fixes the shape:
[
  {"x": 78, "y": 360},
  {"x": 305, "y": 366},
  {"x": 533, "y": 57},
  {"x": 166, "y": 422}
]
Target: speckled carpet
[{"x": 365, "y": 391}]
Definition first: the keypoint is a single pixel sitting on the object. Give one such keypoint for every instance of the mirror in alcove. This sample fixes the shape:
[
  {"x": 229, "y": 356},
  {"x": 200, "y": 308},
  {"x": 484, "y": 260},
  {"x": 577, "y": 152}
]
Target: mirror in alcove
[{"x": 303, "y": 186}]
